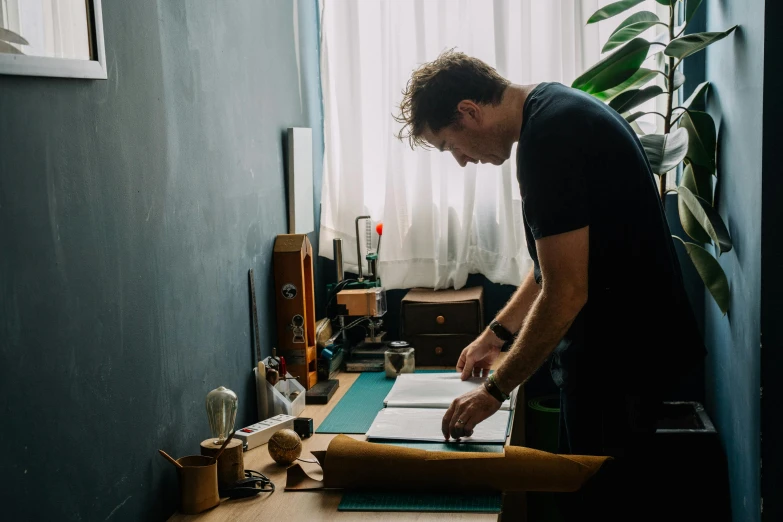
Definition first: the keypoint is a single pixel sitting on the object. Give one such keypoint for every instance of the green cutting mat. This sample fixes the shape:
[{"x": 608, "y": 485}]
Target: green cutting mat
[
  {"x": 355, "y": 413},
  {"x": 421, "y": 502},
  {"x": 447, "y": 446},
  {"x": 358, "y": 408}
]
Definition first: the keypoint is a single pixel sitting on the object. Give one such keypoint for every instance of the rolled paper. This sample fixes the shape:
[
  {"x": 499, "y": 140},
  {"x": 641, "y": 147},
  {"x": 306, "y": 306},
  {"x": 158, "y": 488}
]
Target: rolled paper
[{"x": 354, "y": 464}]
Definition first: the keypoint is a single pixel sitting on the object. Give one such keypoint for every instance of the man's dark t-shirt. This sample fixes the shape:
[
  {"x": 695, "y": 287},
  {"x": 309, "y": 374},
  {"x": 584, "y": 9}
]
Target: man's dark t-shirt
[{"x": 580, "y": 164}]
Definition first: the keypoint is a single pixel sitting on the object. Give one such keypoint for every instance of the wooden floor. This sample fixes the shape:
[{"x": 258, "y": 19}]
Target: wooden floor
[{"x": 311, "y": 506}]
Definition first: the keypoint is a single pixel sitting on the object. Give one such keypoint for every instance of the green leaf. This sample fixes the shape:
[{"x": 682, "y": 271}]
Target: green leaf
[
  {"x": 698, "y": 180},
  {"x": 690, "y": 223},
  {"x": 707, "y": 220},
  {"x": 633, "y": 98},
  {"x": 9, "y": 36},
  {"x": 711, "y": 273},
  {"x": 702, "y": 138},
  {"x": 612, "y": 10},
  {"x": 700, "y": 89},
  {"x": 631, "y": 27},
  {"x": 679, "y": 79},
  {"x": 685, "y": 46},
  {"x": 635, "y": 116},
  {"x": 8, "y": 48},
  {"x": 665, "y": 151},
  {"x": 666, "y": 2},
  {"x": 691, "y": 6},
  {"x": 615, "y": 68},
  {"x": 639, "y": 79}
]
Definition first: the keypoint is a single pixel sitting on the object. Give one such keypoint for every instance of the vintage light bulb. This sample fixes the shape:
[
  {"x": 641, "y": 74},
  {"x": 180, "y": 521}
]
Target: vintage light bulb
[{"x": 221, "y": 412}]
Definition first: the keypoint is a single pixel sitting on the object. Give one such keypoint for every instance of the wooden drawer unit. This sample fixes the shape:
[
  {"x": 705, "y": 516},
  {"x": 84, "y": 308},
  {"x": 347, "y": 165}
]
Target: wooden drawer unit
[{"x": 439, "y": 324}]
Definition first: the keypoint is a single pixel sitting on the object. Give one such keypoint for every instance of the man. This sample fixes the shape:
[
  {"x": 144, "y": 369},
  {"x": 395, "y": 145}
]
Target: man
[{"x": 605, "y": 294}]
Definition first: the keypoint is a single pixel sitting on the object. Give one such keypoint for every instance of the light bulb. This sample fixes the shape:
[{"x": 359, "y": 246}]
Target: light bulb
[{"x": 221, "y": 412}]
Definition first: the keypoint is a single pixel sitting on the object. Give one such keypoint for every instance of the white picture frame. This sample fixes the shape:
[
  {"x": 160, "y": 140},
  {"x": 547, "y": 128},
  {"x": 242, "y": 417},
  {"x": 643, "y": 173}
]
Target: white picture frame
[{"x": 94, "y": 68}]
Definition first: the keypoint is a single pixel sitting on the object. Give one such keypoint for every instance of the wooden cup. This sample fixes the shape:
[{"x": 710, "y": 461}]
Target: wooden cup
[
  {"x": 231, "y": 464},
  {"x": 198, "y": 484}
]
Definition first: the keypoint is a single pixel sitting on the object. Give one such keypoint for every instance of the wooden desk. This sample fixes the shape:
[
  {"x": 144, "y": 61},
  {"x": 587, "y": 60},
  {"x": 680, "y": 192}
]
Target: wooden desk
[{"x": 316, "y": 506}]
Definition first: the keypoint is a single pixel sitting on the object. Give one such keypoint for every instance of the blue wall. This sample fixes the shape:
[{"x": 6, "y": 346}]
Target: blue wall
[
  {"x": 130, "y": 212},
  {"x": 735, "y": 67}
]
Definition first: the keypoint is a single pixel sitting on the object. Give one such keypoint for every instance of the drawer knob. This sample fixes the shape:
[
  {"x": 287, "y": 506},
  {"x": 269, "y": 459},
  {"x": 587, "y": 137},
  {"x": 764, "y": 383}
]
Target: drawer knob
[
  {"x": 438, "y": 350},
  {"x": 440, "y": 319}
]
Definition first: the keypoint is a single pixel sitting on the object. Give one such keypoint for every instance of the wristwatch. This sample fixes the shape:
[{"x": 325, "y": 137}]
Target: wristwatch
[
  {"x": 501, "y": 331},
  {"x": 491, "y": 386}
]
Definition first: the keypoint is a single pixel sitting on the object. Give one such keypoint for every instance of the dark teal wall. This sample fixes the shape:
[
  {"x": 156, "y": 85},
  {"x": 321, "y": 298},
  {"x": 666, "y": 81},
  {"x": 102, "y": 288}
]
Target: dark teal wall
[
  {"x": 772, "y": 277},
  {"x": 130, "y": 212},
  {"x": 735, "y": 67}
]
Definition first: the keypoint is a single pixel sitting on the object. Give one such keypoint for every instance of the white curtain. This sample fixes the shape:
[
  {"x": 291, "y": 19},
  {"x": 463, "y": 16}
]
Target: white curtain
[{"x": 440, "y": 222}]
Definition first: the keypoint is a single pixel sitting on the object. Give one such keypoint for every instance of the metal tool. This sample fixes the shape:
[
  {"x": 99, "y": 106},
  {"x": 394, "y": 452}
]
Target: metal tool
[
  {"x": 359, "y": 247},
  {"x": 337, "y": 249}
]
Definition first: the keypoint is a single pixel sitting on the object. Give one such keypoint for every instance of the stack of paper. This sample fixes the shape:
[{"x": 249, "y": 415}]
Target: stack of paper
[
  {"x": 433, "y": 390},
  {"x": 424, "y": 424},
  {"x": 416, "y": 404}
]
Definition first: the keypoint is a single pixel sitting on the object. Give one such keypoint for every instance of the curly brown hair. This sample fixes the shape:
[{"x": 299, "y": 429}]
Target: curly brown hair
[{"x": 435, "y": 89}]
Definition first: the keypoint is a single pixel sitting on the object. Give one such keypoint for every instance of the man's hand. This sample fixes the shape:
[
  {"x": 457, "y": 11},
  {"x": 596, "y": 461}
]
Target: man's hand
[
  {"x": 466, "y": 411},
  {"x": 477, "y": 358}
]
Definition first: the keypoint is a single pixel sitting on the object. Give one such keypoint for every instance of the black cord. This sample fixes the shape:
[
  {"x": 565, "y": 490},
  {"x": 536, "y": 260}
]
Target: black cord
[
  {"x": 254, "y": 483},
  {"x": 339, "y": 286},
  {"x": 353, "y": 324}
]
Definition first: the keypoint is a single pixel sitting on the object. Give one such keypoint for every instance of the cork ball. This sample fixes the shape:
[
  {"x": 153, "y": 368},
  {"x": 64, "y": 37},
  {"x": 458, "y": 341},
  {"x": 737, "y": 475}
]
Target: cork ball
[{"x": 285, "y": 446}]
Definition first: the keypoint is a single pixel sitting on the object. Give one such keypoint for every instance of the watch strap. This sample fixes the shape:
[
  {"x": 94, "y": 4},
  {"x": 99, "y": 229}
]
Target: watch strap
[
  {"x": 491, "y": 386},
  {"x": 501, "y": 331}
]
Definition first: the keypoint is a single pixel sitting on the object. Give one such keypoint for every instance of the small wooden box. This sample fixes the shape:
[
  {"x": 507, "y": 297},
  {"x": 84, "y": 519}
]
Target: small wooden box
[
  {"x": 439, "y": 324},
  {"x": 361, "y": 301}
]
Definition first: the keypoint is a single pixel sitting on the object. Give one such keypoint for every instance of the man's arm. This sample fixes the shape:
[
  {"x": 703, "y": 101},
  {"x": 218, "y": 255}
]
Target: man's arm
[
  {"x": 563, "y": 259},
  {"x": 482, "y": 352},
  {"x": 513, "y": 315}
]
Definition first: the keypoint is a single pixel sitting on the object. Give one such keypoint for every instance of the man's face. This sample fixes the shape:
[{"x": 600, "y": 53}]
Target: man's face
[{"x": 470, "y": 140}]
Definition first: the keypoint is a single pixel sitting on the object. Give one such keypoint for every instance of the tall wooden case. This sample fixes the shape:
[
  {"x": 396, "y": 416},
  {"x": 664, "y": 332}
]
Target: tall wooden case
[{"x": 295, "y": 298}]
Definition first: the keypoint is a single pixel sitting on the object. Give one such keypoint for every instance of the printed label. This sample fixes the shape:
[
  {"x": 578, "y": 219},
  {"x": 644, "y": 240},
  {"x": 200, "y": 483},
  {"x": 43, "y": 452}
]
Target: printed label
[
  {"x": 289, "y": 291},
  {"x": 297, "y": 325}
]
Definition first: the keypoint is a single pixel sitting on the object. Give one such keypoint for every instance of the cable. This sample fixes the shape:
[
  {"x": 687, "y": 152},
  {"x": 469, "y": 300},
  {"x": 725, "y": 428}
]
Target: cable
[{"x": 352, "y": 324}]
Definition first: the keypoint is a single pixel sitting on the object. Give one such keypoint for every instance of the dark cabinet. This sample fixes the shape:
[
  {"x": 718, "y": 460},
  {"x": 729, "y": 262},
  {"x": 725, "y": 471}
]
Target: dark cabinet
[{"x": 440, "y": 323}]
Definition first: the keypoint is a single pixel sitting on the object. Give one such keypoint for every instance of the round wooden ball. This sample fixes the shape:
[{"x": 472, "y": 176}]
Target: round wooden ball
[{"x": 285, "y": 446}]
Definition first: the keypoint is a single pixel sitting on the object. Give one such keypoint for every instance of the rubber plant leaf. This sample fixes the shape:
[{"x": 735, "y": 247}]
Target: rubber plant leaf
[
  {"x": 634, "y": 97},
  {"x": 696, "y": 95},
  {"x": 707, "y": 220},
  {"x": 710, "y": 272},
  {"x": 8, "y": 48},
  {"x": 665, "y": 151},
  {"x": 613, "y": 9},
  {"x": 630, "y": 28},
  {"x": 685, "y": 46},
  {"x": 9, "y": 36},
  {"x": 639, "y": 79},
  {"x": 702, "y": 138},
  {"x": 615, "y": 68},
  {"x": 698, "y": 180}
]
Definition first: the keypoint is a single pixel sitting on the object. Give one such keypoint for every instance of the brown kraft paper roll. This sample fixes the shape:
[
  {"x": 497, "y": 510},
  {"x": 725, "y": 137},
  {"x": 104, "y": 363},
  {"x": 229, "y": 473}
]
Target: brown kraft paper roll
[{"x": 353, "y": 464}]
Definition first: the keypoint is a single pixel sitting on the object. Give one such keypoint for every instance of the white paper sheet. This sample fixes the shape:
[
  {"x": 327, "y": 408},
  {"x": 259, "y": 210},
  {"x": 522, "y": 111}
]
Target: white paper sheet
[
  {"x": 424, "y": 424},
  {"x": 433, "y": 390}
]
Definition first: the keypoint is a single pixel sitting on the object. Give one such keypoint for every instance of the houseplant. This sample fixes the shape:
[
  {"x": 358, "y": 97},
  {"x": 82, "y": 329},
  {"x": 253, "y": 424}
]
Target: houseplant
[{"x": 689, "y": 135}]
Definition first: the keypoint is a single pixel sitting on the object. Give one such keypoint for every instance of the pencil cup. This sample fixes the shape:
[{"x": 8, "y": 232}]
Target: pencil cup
[{"x": 198, "y": 484}]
